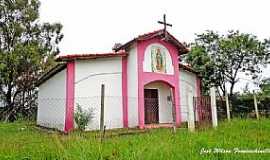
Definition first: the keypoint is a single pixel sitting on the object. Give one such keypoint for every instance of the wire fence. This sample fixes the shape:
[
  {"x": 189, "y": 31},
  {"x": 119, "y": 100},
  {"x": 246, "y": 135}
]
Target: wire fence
[
  {"x": 243, "y": 108},
  {"x": 52, "y": 111}
]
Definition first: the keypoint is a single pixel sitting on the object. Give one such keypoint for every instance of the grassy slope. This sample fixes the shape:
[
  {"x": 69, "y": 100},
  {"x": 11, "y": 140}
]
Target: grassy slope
[{"x": 31, "y": 143}]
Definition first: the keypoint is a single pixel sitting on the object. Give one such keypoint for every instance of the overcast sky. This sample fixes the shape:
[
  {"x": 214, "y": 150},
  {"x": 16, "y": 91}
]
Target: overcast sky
[{"x": 95, "y": 25}]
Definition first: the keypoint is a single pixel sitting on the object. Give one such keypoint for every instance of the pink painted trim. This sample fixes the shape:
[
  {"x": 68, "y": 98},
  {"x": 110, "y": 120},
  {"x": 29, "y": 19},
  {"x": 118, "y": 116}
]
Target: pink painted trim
[
  {"x": 145, "y": 78},
  {"x": 70, "y": 87},
  {"x": 140, "y": 52},
  {"x": 124, "y": 92},
  {"x": 177, "y": 100}
]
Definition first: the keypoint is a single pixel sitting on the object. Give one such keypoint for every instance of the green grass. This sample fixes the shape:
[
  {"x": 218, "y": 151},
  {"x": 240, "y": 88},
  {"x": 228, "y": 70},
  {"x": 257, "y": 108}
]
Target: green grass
[{"x": 23, "y": 140}]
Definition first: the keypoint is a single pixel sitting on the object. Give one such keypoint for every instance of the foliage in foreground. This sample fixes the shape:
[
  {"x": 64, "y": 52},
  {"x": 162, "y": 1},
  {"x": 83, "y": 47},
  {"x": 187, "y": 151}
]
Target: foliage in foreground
[
  {"x": 83, "y": 117},
  {"x": 23, "y": 140}
]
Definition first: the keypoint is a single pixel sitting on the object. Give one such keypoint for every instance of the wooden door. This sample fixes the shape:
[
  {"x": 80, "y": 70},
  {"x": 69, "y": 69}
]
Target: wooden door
[{"x": 151, "y": 106}]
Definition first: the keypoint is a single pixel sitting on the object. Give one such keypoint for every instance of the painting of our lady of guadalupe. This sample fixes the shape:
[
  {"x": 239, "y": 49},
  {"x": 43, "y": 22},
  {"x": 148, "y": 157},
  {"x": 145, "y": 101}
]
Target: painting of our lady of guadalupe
[{"x": 158, "y": 60}]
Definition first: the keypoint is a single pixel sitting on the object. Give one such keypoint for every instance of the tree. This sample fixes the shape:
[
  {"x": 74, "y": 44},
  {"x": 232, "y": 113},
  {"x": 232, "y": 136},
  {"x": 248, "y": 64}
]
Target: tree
[
  {"x": 265, "y": 87},
  {"x": 27, "y": 49},
  {"x": 220, "y": 58}
]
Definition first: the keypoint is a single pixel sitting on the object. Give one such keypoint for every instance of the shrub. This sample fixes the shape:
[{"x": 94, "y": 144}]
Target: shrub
[{"x": 83, "y": 117}]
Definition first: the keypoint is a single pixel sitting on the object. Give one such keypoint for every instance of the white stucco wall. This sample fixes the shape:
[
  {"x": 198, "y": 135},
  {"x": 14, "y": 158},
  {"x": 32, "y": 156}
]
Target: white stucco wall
[
  {"x": 165, "y": 107},
  {"x": 132, "y": 70},
  {"x": 187, "y": 82},
  {"x": 89, "y": 75},
  {"x": 51, "y": 102}
]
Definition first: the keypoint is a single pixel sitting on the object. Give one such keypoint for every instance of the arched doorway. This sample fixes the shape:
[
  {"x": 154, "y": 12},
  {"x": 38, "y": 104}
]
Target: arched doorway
[{"x": 158, "y": 103}]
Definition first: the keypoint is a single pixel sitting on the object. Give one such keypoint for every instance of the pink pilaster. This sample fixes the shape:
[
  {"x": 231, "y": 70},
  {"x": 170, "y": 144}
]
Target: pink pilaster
[
  {"x": 140, "y": 86},
  {"x": 124, "y": 92},
  {"x": 177, "y": 96},
  {"x": 141, "y": 107},
  {"x": 70, "y": 82}
]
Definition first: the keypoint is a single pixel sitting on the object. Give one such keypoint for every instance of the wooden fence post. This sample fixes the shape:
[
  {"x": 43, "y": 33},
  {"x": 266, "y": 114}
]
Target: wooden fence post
[
  {"x": 191, "y": 119},
  {"x": 256, "y": 105},
  {"x": 102, "y": 108},
  {"x": 227, "y": 106},
  {"x": 173, "y": 110},
  {"x": 213, "y": 106}
]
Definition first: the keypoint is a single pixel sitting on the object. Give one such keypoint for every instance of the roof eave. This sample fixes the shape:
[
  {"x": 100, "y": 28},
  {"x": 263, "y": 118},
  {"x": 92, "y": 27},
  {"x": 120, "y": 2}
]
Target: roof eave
[
  {"x": 181, "y": 48},
  {"x": 90, "y": 56},
  {"x": 44, "y": 77},
  {"x": 189, "y": 69}
]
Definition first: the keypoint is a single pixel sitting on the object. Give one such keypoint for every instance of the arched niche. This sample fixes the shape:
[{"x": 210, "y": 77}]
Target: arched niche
[{"x": 157, "y": 59}]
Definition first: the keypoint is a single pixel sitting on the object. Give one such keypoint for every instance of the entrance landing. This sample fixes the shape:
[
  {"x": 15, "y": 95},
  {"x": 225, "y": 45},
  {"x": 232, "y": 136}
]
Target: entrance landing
[{"x": 160, "y": 125}]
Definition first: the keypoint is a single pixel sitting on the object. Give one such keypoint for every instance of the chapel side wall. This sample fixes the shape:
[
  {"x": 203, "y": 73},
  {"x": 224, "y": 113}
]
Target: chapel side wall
[
  {"x": 89, "y": 75},
  {"x": 187, "y": 80},
  {"x": 52, "y": 102},
  {"x": 132, "y": 71}
]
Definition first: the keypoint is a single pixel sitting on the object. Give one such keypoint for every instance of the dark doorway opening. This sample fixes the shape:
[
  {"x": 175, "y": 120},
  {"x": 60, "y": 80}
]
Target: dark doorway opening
[{"x": 151, "y": 106}]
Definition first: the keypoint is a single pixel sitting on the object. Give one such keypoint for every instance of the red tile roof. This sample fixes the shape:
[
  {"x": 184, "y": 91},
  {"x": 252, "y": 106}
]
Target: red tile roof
[
  {"x": 53, "y": 71},
  {"x": 158, "y": 33},
  {"x": 120, "y": 50},
  {"x": 188, "y": 68},
  {"x": 90, "y": 56}
]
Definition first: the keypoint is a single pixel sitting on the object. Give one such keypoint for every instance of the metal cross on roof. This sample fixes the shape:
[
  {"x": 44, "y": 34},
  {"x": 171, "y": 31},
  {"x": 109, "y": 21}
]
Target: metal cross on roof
[
  {"x": 164, "y": 22},
  {"x": 165, "y": 25}
]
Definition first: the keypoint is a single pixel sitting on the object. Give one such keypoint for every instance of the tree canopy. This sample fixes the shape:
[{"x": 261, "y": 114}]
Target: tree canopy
[
  {"x": 265, "y": 87},
  {"x": 27, "y": 49},
  {"x": 221, "y": 58}
]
